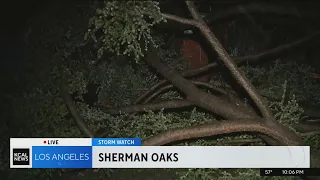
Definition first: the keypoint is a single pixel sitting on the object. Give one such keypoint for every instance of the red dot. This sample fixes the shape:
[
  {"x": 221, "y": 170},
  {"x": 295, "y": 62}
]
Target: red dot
[{"x": 44, "y": 142}]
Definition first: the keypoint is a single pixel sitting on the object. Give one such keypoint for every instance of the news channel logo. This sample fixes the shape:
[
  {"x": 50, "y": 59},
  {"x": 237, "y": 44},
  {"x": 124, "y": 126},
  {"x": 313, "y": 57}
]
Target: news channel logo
[{"x": 21, "y": 156}]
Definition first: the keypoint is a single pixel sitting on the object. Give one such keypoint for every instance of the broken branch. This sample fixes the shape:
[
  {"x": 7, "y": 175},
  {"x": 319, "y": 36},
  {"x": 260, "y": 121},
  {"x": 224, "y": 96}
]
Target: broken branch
[
  {"x": 217, "y": 128},
  {"x": 230, "y": 64}
]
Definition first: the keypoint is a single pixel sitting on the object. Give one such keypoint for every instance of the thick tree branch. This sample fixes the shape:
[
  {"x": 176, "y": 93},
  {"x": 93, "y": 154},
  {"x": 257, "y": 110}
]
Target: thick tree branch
[
  {"x": 197, "y": 83},
  {"x": 217, "y": 128},
  {"x": 180, "y": 19},
  {"x": 64, "y": 91},
  {"x": 73, "y": 110},
  {"x": 148, "y": 97},
  {"x": 307, "y": 128},
  {"x": 213, "y": 103},
  {"x": 169, "y": 104},
  {"x": 228, "y": 96},
  {"x": 253, "y": 59},
  {"x": 240, "y": 142},
  {"x": 241, "y": 78},
  {"x": 231, "y": 65},
  {"x": 208, "y": 101}
]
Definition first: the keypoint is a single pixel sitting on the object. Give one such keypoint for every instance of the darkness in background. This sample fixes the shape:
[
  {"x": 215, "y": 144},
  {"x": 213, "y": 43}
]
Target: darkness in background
[{"x": 14, "y": 15}]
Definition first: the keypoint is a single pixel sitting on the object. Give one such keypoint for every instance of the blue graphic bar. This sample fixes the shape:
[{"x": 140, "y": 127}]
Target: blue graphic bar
[
  {"x": 61, "y": 157},
  {"x": 116, "y": 142}
]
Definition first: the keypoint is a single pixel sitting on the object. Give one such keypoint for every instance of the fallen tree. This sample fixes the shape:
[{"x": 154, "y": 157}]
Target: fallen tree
[{"x": 187, "y": 111}]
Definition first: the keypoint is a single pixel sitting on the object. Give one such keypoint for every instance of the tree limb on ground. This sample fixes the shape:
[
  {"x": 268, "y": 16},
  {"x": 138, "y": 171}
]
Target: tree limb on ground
[
  {"x": 253, "y": 59},
  {"x": 208, "y": 101},
  {"x": 216, "y": 128},
  {"x": 67, "y": 99},
  {"x": 166, "y": 105},
  {"x": 213, "y": 103},
  {"x": 79, "y": 121}
]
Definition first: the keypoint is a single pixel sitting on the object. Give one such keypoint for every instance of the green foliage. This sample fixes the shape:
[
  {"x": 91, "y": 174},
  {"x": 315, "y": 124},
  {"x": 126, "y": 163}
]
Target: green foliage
[
  {"x": 120, "y": 86},
  {"x": 269, "y": 79},
  {"x": 118, "y": 81},
  {"x": 281, "y": 84},
  {"x": 152, "y": 123},
  {"x": 288, "y": 113},
  {"x": 124, "y": 26}
]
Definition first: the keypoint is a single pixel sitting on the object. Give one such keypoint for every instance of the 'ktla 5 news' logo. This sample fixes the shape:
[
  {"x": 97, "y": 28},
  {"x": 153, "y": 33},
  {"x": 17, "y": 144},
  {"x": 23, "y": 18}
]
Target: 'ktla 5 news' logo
[{"x": 21, "y": 156}]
